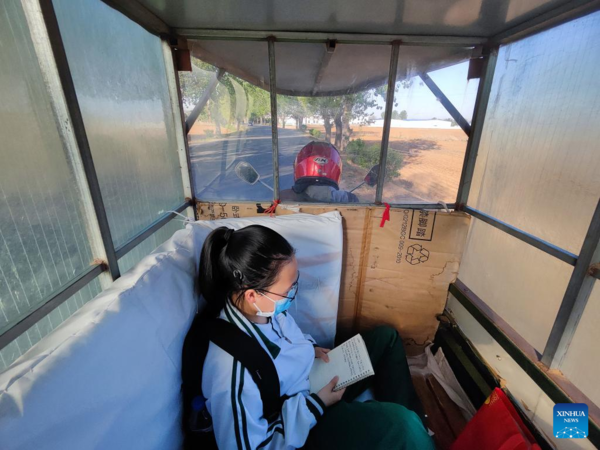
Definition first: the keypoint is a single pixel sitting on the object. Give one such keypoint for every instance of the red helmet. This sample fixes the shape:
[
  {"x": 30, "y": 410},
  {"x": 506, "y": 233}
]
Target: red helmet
[{"x": 317, "y": 163}]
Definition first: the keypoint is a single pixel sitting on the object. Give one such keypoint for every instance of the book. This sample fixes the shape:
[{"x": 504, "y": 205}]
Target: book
[{"x": 350, "y": 361}]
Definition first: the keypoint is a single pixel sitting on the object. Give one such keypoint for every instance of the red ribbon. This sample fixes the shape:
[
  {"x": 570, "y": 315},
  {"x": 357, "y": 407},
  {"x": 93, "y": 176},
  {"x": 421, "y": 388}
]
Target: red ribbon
[
  {"x": 271, "y": 210},
  {"x": 386, "y": 215}
]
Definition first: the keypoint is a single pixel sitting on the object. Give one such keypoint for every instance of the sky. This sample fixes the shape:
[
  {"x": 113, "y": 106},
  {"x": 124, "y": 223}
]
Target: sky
[{"x": 421, "y": 104}]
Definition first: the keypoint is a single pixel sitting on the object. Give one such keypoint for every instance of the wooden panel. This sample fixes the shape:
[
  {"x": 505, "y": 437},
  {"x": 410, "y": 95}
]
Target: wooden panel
[{"x": 411, "y": 262}]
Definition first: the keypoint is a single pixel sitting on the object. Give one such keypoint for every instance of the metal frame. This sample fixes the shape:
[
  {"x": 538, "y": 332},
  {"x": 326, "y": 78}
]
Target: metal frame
[
  {"x": 479, "y": 112},
  {"x": 550, "y": 19},
  {"x": 141, "y": 15},
  {"x": 180, "y": 132},
  {"x": 340, "y": 38},
  {"x": 191, "y": 120},
  {"x": 54, "y": 65},
  {"x": 54, "y": 300},
  {"x": 274, "y": 132},
  {"x": 151, "y": 229},
  {"x": 552, "y": 383},
  {"x": 576, "y": 296},
  {"x": 78, "y": 128},
  {"x": 538, "y": 243},
  {"x": 457, "y": 116},
  {"x": 387, "y": 120},
  {"x": 417, "y": 206}
]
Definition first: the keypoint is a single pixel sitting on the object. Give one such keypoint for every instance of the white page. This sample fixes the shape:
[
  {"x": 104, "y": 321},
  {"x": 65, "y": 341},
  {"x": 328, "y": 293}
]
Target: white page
[{"x": 350, "y": 361}]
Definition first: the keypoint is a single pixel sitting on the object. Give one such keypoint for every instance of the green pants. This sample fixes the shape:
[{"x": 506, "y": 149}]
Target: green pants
[{"x": 394, "y": 421}]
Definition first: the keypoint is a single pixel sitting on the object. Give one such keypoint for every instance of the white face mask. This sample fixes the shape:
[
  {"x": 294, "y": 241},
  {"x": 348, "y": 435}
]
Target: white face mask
[{"x": 280, "y": 305}]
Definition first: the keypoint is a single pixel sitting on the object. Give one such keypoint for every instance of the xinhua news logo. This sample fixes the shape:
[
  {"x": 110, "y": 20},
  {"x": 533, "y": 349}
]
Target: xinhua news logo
[{"x": 571, "y": 420}]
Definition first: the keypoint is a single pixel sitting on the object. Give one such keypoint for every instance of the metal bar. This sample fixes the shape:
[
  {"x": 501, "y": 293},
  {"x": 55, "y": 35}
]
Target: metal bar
[
  {"x": 536, "y": 242},
  {"x": 148, "y": 231},
  {"x": 551, "y": 382},
  {"x": 178, "y": 122},
  {"x": 135, "y": 11},
  {"x": 325, "y": 59},
  {"x": 189, "y": 122},
  {"x": 387, "y": 120},
  {"x": 481, "y": 104},
  {"x": 595, "y": 271},
  {"x": 92, "y": 195},
  {"x": 457, "y": 116},
  {"x": 553, "y": 18},
  {"x": 341, "y": 38},
  {"x": 51, "y": 302},
  {"x": 274, "y": 132},
  {"x": 417, "y": 206},
  {"x": 576, "y": 296}
]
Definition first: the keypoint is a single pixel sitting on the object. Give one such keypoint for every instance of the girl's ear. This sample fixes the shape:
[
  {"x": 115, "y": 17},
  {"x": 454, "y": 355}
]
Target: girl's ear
[{"x": 250, "y": 296}]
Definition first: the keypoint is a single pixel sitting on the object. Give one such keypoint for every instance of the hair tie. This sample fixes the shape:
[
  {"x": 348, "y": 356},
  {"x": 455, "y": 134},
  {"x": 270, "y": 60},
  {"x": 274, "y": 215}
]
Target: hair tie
[
  {"x": 238, "y": 274},
  {"x": 228, "y": 234}
]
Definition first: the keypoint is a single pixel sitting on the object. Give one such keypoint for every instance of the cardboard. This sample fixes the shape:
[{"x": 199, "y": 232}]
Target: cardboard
[{"x": 396, "y": 275}]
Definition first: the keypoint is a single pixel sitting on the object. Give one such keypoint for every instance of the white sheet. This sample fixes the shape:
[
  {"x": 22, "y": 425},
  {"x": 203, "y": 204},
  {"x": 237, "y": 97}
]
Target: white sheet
[{"x": 109, "y": 377}]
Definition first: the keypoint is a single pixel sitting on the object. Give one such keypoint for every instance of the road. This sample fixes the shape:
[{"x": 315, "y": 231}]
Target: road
[{"x": 213, "y": 163}]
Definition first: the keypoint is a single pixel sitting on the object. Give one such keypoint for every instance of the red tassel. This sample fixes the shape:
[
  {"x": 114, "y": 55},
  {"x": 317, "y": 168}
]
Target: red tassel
[
  {"x": 271, "y": 210},
  {"x": 386, "y": 215}
]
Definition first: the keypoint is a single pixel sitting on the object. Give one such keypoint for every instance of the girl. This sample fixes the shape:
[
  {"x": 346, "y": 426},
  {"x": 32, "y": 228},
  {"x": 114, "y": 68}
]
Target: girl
[{"x": 249, "y": 278}]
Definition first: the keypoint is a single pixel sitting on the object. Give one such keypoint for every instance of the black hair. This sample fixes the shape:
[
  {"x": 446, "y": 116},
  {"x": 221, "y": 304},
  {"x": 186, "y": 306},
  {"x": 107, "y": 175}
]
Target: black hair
[{"x": 235, "y": 261}]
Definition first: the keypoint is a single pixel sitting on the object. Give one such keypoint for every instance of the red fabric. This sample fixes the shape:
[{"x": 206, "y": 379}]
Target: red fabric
[
  {"x": 496, "y": 426},
  {"x": 386, "y": 215},
  {"x": 271, "y": 209}
]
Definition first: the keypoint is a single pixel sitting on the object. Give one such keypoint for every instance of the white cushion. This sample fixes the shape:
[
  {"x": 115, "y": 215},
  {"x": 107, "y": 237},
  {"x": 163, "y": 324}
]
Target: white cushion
[
  {"x": 318, "y": 241},
  {"x": 109, "y": 376}
]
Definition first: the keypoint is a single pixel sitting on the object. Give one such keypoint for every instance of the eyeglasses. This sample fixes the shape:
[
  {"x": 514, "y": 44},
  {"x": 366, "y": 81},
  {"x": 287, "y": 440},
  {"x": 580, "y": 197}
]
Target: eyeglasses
[{"x": 293, "y": 288}]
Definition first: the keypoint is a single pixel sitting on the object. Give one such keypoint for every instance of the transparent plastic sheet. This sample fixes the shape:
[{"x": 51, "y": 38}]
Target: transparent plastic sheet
[
  {"x": 233, "y": 126},
  {"x": 150, "y": 244},
  {"x": 119, "y": 74},
  {"x": 43, "y": 239},
  {"x": 522, "y": 284},
  {"x": 538, "y": 161},
  {"x": 426, "y": 145},
  {"x": 350, "y": 119}
]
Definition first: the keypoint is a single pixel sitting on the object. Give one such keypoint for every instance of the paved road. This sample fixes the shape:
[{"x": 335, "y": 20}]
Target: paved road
[{"x": 213, "y": 163}]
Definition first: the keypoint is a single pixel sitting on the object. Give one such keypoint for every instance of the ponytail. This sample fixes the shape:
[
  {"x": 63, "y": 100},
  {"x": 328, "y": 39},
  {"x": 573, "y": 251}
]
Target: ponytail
[{"x": 235, "y": 261}]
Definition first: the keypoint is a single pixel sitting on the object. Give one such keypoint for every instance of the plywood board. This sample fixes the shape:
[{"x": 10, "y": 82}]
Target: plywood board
[{"x": 410, "y": 263}]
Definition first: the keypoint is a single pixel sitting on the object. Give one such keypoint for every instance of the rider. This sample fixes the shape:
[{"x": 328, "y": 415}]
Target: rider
[{"x": 317, "y": 173}]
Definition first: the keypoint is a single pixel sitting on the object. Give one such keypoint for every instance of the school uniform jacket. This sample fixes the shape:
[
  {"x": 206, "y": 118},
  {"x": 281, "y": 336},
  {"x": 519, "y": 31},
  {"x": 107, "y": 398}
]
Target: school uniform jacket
[{"x": 233, "y": 399}]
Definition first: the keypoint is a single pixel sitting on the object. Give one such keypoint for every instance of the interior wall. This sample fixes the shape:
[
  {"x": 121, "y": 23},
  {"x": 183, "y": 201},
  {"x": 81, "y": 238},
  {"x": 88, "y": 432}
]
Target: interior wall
[{"x": 397, "y": 274}]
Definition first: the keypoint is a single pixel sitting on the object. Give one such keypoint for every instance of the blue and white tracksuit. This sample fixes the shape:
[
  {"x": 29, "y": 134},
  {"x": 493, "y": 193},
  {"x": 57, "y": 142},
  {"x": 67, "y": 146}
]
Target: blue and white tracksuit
[{"x": 233, "y": 399}]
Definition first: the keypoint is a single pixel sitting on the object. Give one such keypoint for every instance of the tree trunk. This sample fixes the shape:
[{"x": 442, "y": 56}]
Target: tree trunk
[
  {"x": 346, "y": 130},
  {"x": 338, "y": 131},
  {"x": 327, "y": 124},
  {"x": 217, "y": 119}
]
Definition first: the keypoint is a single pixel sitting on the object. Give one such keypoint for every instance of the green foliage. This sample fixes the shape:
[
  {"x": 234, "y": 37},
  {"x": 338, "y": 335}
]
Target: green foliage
[
  {"x": 209, "y": 133},
  {"x": 315, "y": 133},
  {"x": 367, "y": 156},
  {"x": 403, "y": 115}
]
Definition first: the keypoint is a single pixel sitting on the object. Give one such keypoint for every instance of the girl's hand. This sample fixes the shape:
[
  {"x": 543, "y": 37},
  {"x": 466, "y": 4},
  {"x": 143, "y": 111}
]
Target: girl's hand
[
  {"x": 321, "y": 353},
  {"x": 328, "y": 396}
]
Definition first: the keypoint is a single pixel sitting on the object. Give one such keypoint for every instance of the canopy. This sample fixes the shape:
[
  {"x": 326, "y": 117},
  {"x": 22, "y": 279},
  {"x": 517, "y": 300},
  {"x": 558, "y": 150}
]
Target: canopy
[{"x": 228, "y": 34}]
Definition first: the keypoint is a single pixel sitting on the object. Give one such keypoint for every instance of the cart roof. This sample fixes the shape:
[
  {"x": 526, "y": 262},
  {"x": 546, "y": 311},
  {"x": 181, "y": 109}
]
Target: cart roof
[{"x": 450, "y": 28}]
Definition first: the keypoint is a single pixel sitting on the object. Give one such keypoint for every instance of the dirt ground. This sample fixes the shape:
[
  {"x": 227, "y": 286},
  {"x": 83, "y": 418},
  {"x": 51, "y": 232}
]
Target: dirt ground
[{"x": 430, "y": 172}]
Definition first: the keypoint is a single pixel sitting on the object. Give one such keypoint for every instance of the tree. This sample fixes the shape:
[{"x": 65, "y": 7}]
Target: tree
[{"x": 403, "y": 115}]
